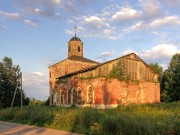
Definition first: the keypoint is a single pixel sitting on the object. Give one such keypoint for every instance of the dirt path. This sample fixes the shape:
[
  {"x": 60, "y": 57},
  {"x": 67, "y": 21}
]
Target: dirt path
[{"x": 7, "y": 128}]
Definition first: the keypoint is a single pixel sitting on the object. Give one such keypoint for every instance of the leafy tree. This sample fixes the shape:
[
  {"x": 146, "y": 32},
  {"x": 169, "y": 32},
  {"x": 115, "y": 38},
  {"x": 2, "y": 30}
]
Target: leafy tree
[
  {"x": 157, "y": 69},
  {"x": 47, "y": 101},
  {"x": 9, "y": 80},
  {"x": 171, "y": 80}
]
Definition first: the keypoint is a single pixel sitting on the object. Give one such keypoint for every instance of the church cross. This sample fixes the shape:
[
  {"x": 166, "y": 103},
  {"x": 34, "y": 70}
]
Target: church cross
[{"x": 75, "y": 30}]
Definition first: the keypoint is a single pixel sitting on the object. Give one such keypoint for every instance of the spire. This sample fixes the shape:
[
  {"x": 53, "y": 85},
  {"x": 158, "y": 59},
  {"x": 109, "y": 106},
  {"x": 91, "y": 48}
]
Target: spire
[{"x": 75, "y": 30}]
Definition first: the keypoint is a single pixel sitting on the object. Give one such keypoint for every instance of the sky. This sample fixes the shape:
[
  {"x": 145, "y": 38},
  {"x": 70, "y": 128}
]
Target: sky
[{"x": 35, "y": 33}]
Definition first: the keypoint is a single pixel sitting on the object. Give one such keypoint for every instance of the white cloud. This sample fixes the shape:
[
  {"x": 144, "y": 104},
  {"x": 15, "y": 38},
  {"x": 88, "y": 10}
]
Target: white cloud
[
  {"x": 151, "y": 8},
  {"x": 30, "y": 23},
  {"x": 45, "y": 8},
  {"x": 161, "y": 54},
  {"x": 104, "y": 56},
  {"x": 75, "y": 6},
  {"x": 35, "y": 85},
  {"x": 168, "y": 21},
  {"x": 70, "y": 32},
  {"x": 57, "y": 1},
  {"x": 107, "y": 54},
  {"x": 134, "y": 27},
  {"x": 106, "y": 14},
  {"x": 94, "y": 26},
  {"x": 110, "y": 34},
  {"x": 10, "y": 15},
  {"x": 126, "y": 14},
  {"x": 37, "y": 73},
  {"x": 34, "y": 11},
  {"x": 96, "y": 22},
  {"x": 172, "y": 3},
  {"x": 128, "y": 51},
  {"x": 161, "y": 50}
]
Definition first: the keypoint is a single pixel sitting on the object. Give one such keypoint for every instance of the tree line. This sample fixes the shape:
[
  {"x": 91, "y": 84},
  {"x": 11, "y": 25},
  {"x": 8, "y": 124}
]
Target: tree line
[{"x": 10, "y": 80}]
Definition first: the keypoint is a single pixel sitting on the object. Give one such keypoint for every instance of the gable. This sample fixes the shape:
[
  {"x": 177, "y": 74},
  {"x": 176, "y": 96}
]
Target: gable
[{"x": 69, "y": 65}]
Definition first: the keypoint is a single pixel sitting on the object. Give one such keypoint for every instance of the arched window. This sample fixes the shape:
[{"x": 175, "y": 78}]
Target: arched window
[
  {"x": 65, "y": 97},
  {"x": 69, "y": 48},
  {"x": 59, "y": 99},
  {"x": 90, "y": 95},
  {"x": 69, "y": 96},
  {"x": 74, "y": 96},
  {"x": 56, "y": 99},
  {"x": 61, "y": 96},
  {"x": 79, "y": 96},
  {"x": 78, "y": 48}
]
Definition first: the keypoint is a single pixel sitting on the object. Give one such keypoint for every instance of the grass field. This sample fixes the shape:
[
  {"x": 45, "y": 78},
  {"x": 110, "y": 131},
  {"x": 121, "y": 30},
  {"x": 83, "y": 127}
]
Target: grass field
[{"x": 149, "y": 119}]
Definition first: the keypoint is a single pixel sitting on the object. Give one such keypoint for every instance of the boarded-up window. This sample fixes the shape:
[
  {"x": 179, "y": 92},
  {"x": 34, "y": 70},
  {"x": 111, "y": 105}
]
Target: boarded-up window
[
  {"x": 79, "y": 96},
  {"x": 61, "y": 95},
  {"x": 74, "y": 96},
  {"x": 69, "y": 96},
  {"x": 90, "y": 95}
]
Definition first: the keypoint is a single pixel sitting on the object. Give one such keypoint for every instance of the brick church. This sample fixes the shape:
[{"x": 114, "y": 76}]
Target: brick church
[{"x": 79, "y": 81}]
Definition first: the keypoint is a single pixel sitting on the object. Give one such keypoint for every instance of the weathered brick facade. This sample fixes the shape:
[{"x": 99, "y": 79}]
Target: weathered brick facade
[{"x": 83, "y": 82}]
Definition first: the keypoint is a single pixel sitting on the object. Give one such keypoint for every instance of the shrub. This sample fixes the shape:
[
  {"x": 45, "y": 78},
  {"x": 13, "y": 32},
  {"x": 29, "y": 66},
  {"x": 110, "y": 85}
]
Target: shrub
[
  {"x": 64, "y": 119},
  {"x": 39, "y": 116},
  {"x": 21, "y": 116},
  {"x": 133, "y": 119}
]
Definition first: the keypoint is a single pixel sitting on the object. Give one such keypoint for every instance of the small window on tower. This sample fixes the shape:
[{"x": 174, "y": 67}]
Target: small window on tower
[
  {"x": 69, "y": 48},
  {"x": 78, "y": 49}
]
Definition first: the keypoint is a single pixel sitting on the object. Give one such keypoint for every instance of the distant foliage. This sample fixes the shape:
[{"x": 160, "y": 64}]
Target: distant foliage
[
  {"x": 9, "y": 80},
  {"x": 157, "y": 69},
  {"x": 36, "y": 102}
]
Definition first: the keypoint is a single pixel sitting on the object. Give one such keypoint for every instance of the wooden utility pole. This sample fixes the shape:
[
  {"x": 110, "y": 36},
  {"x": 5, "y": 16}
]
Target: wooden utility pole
[
  {"x": 20, "y": 79},
  {"x": 14, "y": 96},
  {"x": 50, "y": 94},
  {"x": 21, "y": 92}
]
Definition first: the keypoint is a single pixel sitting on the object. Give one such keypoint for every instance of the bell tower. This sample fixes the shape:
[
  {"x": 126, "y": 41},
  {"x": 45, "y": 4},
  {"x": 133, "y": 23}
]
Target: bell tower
[{"x": 75, "y": 46}]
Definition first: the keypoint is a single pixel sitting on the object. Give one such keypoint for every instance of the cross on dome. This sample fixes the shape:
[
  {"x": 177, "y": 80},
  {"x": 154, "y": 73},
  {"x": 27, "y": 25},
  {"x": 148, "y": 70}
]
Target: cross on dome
[{"x": 75, "y": 30}]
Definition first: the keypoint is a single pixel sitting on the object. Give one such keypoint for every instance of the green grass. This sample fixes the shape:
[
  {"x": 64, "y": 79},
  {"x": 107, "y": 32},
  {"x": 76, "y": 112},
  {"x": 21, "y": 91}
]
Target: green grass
[{"x": 149, "y": 119}]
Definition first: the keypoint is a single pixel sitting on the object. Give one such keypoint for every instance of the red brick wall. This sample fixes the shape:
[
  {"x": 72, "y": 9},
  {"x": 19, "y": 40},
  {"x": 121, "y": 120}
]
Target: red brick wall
[{"x": 112, "y": 91}]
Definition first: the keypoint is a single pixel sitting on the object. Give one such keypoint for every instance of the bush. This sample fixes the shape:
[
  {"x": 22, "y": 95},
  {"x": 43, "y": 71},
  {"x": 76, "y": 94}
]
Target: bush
[
  {"x": 6, "y": 115},
  {"x": 21, "y": 116},
  {"x": 64, "y": 119},
  {"x": 40, "y": 116}
]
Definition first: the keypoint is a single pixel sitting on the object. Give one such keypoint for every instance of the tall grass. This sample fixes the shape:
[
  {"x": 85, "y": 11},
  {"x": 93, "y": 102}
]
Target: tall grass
[{"x": 149, "y": 119}]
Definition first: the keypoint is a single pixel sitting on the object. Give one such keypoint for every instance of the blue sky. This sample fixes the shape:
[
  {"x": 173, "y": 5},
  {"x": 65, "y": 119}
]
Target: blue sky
[{"x": 35, "y": 33}]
